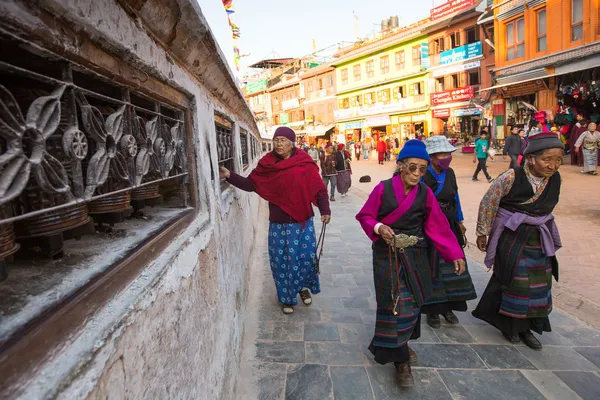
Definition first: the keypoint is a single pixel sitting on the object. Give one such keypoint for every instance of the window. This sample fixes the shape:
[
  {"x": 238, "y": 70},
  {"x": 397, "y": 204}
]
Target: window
[
  {"x": 309, "y": 88},
  {"x": 320, "y": 84},
  {"x": 344, "y": 73},
  {"x": 384, "y": 64},
  {"x": 330, "y": 80},
  {"x": 370, "y": 68},
  {"x": 357, "y": 70},
  {"x": 356, "y": 101},
  {"x": 541, "y": 30},
  {"x": 244, "y": 147},
  {"x": 400, "y": 92},
  {"x": 370, "y": 98},
  {"x": 437, "y": 46},
  {"x": 515, "y": 39},
  {"x": 472, "y": 34},
  {"x": 416, "y": 55},
  {"x": 576, "y": 20},
  {"x": 474, "y": 77},
  {"x": 439, "y": 84},
  {"x": 344, "y": 103},
  {"x": 455, "y": 81},
  {"x": 383, "y": 96},
  {"x": 400, "y": 60},
  {"x": 455, "y": 40},
  {"x": 276, "y": 100}
]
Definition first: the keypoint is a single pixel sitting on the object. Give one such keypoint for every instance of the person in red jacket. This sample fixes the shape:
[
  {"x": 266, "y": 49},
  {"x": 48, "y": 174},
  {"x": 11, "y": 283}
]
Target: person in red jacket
[{"x": 381, "y": 149}]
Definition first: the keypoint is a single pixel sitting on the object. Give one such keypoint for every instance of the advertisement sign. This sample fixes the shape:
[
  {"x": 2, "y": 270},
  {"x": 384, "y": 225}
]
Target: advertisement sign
[
  {"x": 452, "y": 96},
  {"x": 284, "y": 119},
  {"x": 453, "y": 69},
  {"x": 450, "y": 7},
  {"x": 524, "y": 88},
  {"x": 465, "y": 112},
  {"x": 425, "y": 55},
  {"x": 353, "y": 125},
  {"x": 441, "y": 113},
  {"x": 405, "y": 120},
  {"x": 256, "y": 86},
  {"x": 461, "y": 53}
]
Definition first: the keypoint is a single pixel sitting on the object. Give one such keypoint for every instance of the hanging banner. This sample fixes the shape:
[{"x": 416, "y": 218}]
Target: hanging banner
[
  {"x": 452, "y": 96},
  {"x": 465, "y": 112},
  {"x": 425, "y": 55},
  {"x": 450, "y": 7},
  {"x": 461, "y": 53}
]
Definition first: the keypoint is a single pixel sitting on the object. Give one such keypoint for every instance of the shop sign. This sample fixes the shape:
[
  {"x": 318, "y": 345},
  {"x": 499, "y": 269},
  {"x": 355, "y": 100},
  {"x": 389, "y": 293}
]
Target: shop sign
[
  {"x": 450, "y": 7},
  {"x": 378, "y": 121},
  {"x": 284, "y": 118},
  {"x": 452, "y": 96},
  {"x": 289, "y": 104},
  {"x": 465, "y": 112},
  {"x": 456, "y": 68},
  {"x": 461, "y": 53},
  {"x": 405, "y": 119},
  {"x": 353, "y": 125},
  {"x": 523, "y": 88},
  {"x": 419, "y": 118},
  {"x": 441, "y": 113},
  {"x": 425, "y": 55},
  {"x": 256, "y": 86},
  {"x": 309, "y": 119}
]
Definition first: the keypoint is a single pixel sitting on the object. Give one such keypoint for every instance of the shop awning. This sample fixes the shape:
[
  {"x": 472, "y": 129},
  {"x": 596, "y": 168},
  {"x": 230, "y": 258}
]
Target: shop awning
[
  {"x": 317, "y": 130},
  {"x": 377, "y": 121}
]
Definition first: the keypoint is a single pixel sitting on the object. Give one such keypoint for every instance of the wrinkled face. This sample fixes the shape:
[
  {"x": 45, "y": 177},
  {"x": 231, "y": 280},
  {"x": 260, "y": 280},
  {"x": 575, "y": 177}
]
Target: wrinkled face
[
  {"x": 592, "y": 127},
  {"x": 283, "y": 146},
  {"x": 411, "y": 170},
  {"x": 547, "y": 163}
]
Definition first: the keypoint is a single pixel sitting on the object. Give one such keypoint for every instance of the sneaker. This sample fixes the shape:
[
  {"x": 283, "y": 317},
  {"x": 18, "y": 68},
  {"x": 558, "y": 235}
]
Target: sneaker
[
  {"x": 306, "y": 297},
  {"x": 475, "y": 180},
  {"x": 490, "y": 180},
  {"x": 287, "y": 309}
]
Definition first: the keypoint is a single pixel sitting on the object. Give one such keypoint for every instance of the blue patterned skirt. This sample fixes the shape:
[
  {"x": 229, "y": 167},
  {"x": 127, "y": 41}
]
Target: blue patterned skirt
[{"x": 292, "y": 253}]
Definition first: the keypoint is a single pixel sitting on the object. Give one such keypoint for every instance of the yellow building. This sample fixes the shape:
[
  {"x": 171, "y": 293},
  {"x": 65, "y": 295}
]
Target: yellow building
[{"x": 383, "y": 86}]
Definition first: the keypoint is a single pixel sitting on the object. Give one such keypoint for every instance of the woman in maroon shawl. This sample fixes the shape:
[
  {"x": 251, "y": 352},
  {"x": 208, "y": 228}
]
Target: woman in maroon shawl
[
  {"x": 289, "y": 180},
  {"x": 578, "y": 129}
]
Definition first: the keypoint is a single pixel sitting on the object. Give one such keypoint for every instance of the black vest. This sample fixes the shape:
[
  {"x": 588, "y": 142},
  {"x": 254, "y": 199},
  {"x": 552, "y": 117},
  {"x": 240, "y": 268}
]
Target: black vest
[
  {"x": 447, "y": 200},
  {"x": 522, "y": 191}
]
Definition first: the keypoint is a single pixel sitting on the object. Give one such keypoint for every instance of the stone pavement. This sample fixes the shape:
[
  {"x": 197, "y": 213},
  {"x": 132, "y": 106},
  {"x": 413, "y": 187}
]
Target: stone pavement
[
  {"x": 577, "y": 217},
  {"x": 320, "y": 352}
]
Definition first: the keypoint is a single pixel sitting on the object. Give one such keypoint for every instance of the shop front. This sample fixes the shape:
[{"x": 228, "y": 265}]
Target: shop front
[{"x": 405, "y": 127}]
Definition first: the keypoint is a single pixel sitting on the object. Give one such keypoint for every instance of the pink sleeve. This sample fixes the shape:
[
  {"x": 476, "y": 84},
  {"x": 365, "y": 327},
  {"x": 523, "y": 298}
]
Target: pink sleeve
[
  {"x": 367, "y": 216},
  {"x": 438, "y": 230}
]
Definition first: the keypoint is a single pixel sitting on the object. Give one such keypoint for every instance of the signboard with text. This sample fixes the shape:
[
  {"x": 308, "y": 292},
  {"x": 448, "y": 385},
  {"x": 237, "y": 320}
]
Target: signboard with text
[
  {"x": 461, "y": 53},
  {"x": 452, "y": 69},
  {"x": 256, "y": 86},
  {"x": 441, "y": 113},
  {"x": 452, "y": 95},
  {"x": 425, "y": 55},
  {"x": 465, "y": 112},
  {"x": 450, "y": 7}
]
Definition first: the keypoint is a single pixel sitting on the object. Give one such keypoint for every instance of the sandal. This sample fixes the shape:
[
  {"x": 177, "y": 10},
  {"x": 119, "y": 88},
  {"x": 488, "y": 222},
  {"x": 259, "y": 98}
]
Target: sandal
[
  {"x": 306, "y": 297},
  {"x": 288, "y": 309}
]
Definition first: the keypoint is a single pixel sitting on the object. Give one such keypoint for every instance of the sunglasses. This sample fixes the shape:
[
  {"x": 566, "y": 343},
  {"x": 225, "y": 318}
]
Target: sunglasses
[{"x": 412, "y": 168}]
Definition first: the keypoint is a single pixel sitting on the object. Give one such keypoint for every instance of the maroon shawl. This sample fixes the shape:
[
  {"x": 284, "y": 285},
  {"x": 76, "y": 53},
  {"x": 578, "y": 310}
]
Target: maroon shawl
[{"x": 291, "y": 184}]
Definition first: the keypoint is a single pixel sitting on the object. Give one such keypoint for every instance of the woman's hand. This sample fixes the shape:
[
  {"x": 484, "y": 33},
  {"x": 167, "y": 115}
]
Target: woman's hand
[
  {"x": 463, "y": 228},
  {"x": 325, "y": 219},
  {"x": 482, "y": 243},
  {"x": 460, "y": 266},
  {"x": 224, "y": 173},
  {"x": 386, "y": 233}
]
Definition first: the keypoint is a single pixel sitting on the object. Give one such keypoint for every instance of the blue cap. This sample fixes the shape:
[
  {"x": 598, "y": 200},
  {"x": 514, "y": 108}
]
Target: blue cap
[{"x": 414, "y": 149}]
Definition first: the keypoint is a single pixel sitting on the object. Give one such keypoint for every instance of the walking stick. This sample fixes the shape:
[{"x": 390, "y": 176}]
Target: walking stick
[{"x": 320, "y": 244}]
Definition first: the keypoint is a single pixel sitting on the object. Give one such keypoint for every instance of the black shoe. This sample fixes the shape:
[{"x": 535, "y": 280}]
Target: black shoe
[
  {"x": 475, "y": 180},
  {"x": 530, "y": 340},
  {"x": 331, "y": 198},
  {"x": 511, "y": 338},
  {"x": 404, "y": 376},
  {"x": 433, "y": 320},
  {"x": 450, "y": 317},
  {"x": 490, "y": 179}
]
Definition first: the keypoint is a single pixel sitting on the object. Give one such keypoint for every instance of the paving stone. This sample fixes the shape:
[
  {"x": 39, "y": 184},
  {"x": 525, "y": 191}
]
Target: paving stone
[
  {"x": 354, "y": 333},
  {"x": 351, "y": 383},
  {"x": 549, "y": 386},
  {"x": 368, "y": 316},
  {"x": 557, "y": 358},
  {"x": 270, "y": 380},
  {"x": 580, "y": 336},
  {"x": 591, "y": 353},
  {"x": 585, "y": 384},
  {"x": 559, "y": 318},
  {"x": 306, "y": 314},
  {"x": 353, "y": 270},
  {"x": 466, "y": 318},
  {"x": 485, "y": 334},
  {"x": 308, "y": 382},
  {"x": 361, "y": 292},
  {"x": 453, "y": 334},
  {"x": 355, "y": 302},
  {"x": 343, "y": 280},
  {"x": 288, "y": 331},
  {"x": 502, "y": 357},
  {"x": 489, "y": 385},
  {"x": 283, "y": 352},
  {"x": 334, "y": 354},
  {"x": 446, "y": 356},
  {"x": 552, "y": 339},
  {"x": 264, "y": 331},
  {"x": 427, "y": 384},
  {"x": 428, "y": 335},
  {"x": 342, "y": 315},
  {"x": 321, "y": 331},
  {"x": 334, "y": 292},
  {"x": 328, "y": 303}
]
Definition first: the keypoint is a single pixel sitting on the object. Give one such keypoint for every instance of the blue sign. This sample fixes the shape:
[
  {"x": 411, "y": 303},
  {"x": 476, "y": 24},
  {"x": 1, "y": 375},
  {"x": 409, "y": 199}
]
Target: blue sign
[
  {"x": 464, "y": 112},
  {"x": 425, "y": 55},
  {"x": 353, "y": 125},
  {"x": 461, "y": 53}
]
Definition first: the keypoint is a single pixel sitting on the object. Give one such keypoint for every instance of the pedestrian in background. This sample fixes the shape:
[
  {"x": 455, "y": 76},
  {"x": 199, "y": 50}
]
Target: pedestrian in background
[
  {"x": 289, "y": 180},
  {"x": 366, "y": 148},
  {"x": 381, "y": 149},
  {"x": 512, "y": 147},
  {"x": 516, "y": 229},
  {"x": 357, "y": 149},
  {"x": 450, "y": 292},
  {"x": 344, "y": 173},
  {"x": 590, "y": 140},
  {"x": 480, "y": 155},
  {"x": 328, "y": 171},
  {"x": 313, "y": 153}
]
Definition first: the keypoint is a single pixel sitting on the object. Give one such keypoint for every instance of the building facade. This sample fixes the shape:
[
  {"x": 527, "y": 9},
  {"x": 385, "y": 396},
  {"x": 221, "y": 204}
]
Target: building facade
[
  {"x": 547, "y": 58},
  {"x": 287, "y": 103},
  {"x": 318, "y": 85}
]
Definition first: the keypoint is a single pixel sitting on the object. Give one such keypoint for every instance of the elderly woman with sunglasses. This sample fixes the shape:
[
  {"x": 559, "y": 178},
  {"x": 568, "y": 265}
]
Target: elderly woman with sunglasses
[{"x": 402, "y": 217}]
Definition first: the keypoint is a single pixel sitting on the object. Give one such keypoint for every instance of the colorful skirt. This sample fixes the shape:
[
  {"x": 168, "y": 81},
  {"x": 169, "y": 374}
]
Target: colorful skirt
[
  {"x": 292, "y": 254},
  {"x": 344, "y": 181},
  {"x": 590, "y": 160}
]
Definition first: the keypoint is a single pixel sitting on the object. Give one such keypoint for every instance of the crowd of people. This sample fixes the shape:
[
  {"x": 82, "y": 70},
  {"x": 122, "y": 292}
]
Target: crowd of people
[{"x": 415, "y": 222}]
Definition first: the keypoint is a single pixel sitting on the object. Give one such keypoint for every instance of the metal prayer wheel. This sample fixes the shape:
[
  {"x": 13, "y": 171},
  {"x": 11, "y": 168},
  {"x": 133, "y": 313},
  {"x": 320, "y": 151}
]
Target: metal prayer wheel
[
  {"x": 111, "y": 209},
  {"x": 8, "y": 244},
  {"x": 145, "y": 196}
]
